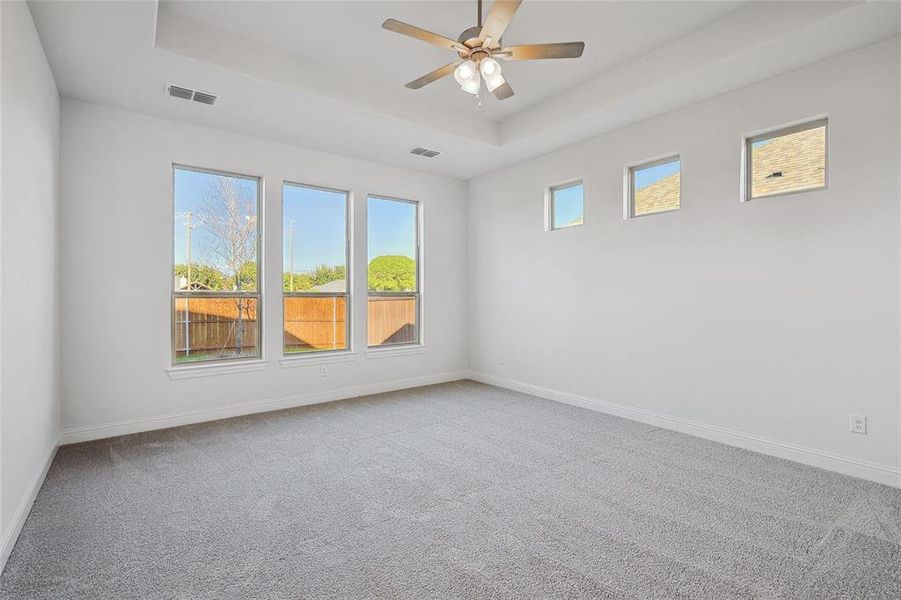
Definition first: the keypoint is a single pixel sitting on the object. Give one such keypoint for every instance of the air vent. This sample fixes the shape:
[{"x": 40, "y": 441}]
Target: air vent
[
  {"x": 177, "y": 91},
  {"x": 425, "y": 152},
  {"x": 180, "y": 92},
  {"x": 205, "y": 98}
]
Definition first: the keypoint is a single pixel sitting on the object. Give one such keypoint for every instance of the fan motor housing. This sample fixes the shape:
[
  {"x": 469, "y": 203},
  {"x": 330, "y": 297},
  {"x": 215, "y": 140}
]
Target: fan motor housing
[{"x": 470, "y": 37}]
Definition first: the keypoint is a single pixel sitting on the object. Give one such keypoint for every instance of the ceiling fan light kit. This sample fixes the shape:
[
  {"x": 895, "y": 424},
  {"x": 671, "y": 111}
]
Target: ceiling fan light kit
[
  {"x": 472, "y": 86},
  {"x": 489, "y": 68},
  {"x": 465, "y": 73},
  {"x": 477, "y": 47}
]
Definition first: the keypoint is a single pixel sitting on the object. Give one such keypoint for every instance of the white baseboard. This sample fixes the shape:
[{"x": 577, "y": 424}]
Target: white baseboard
[
  {"x": 847, "y": 465},
  {"x": 8, "y": 541},
  {"x": 73, "y": 435}
]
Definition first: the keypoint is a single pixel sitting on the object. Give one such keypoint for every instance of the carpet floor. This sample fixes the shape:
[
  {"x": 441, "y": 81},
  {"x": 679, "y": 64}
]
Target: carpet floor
[{"x": 458, "y": 490}]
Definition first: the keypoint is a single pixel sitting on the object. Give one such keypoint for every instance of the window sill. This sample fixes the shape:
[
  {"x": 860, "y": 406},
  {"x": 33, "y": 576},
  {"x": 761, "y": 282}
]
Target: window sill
[
  {"x": 395, "y": 351},
  {"x": 318, "y": 358},
  {"x": 206, "y": 370}
]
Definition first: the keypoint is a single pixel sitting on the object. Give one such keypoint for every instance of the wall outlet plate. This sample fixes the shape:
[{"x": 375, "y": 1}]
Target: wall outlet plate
[{"x": 858, "y": 423}]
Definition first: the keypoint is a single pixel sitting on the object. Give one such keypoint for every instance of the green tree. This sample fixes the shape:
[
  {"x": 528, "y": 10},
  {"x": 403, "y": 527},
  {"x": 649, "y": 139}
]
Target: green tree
[
  {"x": 246, "y": 280},
  {"x": 392, "y": 274},
  {"x": 302, "y": 282},
  {"x": 205, "y": 275},
  {"x": 323, "y": 274}
]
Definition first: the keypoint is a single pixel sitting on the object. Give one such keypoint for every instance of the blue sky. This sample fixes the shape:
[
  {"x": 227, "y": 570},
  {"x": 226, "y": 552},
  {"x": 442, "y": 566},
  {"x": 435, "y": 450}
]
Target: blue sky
[
  {"x": 190, "y": 192},
  {"x": 319, "y": 218},
  {"x": 319, "y": 222},
  {"x": 392, "y": 228},
  {"x": 650, "y": 175},
  {"x": 568, "y": 205}
]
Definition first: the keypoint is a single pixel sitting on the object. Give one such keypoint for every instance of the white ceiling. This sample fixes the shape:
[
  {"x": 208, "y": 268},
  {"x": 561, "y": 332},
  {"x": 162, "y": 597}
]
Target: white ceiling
[
  {"x": 347, "y": 36},
  {"x": 325, "y": 75}
]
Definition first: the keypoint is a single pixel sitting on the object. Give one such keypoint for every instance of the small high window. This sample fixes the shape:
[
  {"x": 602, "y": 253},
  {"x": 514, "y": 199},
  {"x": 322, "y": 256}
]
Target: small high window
[
  {"x": 565, "y": 205},
  {"x": 654, "y": 187},
  {"x": 787, "y": 160}
]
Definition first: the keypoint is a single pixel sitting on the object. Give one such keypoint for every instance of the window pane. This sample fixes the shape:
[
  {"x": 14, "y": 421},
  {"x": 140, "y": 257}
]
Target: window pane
[
  {"x": 392, "y": 246},
  {"x": 789, "y": 162},
  {"x": 215, "y": 328},
  {"x": 655, "y": 187},
  {"x": 315, "y": 234},
  {"x": 215, "y": 232},
  {"x": 315, "y": 323},
  {"x": 392, "y": 320},
  {"x": 567, "y": 206},
  {"x": 393, "y": 271}
]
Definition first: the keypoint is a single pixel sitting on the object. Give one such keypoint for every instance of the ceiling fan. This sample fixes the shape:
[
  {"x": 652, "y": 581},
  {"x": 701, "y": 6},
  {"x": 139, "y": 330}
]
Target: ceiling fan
[{"x": 477, "y": 48}]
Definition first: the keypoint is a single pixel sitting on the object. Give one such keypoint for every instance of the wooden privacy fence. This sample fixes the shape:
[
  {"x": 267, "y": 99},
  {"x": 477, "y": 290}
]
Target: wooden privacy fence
[
  {"x": 315, "y": 323},
  {"x": 392, "y": 320},
  {"x": 310, "y": 323},
  {"x": 211, "y": 324}
]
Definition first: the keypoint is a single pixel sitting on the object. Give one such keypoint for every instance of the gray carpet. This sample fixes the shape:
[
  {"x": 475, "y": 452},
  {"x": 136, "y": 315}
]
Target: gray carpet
[{"x": 449, "y": 491}]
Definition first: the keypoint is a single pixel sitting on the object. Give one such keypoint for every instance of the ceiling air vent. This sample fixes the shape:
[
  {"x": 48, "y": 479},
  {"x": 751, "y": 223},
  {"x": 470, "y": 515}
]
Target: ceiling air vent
[
  {"x": 205, "y": 98},
  {"x": 425, "y": 152},
  {"x": 177, "y": 91}
]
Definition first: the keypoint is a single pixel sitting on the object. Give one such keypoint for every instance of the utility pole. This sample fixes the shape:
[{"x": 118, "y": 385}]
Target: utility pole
[
  {"x": 189, "y": 226},
  {"x": 291, "y": 254}
]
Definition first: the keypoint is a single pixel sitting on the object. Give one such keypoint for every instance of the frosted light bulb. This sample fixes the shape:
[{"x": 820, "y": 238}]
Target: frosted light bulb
[
  {"x": 472, "y": 86},
  {"x": 465, "y": 72},
  {"x": 489, "y": 68},
  {"x": 495, "y": 82}
]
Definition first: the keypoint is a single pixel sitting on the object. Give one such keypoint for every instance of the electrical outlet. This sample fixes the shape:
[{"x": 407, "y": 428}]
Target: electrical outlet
[
  {"x": 500, "y": 359},
  {"x": 858, "y": 423},
  {"x": 323, "y": 371}
]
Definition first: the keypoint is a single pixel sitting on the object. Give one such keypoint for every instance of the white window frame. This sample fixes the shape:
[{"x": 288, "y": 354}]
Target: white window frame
[
  {"x": 629, "y": 184},
  {"x": 320, "y": 356},
  {"x": 186, "y": 369},
  {"x": 550, "y": 204},
  {"x": 774, "y": 132},
  {"x": 418, "y": 344}
]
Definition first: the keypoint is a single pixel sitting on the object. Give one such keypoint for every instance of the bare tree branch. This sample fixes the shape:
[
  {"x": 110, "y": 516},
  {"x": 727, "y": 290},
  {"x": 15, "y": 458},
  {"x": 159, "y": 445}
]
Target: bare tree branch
[{"x": 229, "y": 213}]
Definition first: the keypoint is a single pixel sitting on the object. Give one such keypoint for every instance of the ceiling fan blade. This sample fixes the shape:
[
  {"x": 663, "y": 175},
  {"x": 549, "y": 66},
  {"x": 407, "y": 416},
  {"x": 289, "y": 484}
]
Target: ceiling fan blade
[
  {"x": 502, "y": 92},
  {"x": 421, "y": 34},
  {"x": 433, "y": 76},
  {"x": 542, "y": 51},
  {"x": 498, "y": 19}
]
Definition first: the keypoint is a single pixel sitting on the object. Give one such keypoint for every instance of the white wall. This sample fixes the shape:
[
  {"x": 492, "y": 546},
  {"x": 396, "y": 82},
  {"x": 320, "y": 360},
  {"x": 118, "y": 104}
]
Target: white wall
[
  {"x": 775, "y": 318},
  {"x": 116, "y": 243},
  {"x": 29, "y": 301}
]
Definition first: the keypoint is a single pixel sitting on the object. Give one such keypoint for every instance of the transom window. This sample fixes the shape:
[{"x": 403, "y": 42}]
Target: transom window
[
  {"x": 566, "y": 205},
  {"x": 393, "y": 272},
  {"x": 316, "y": 269},
  {"x": 216, "y": 285},
  {"x": 654, "y": 187},
  {"x": 787, "y": 160}
]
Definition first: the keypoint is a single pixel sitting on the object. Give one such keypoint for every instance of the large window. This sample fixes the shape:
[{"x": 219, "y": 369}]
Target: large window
[
  {"x": 654, "y": 187},
  {"x": 565, "y": 205},
  {"x": 216, "y": 285},
  {"x": 393, "y": 272},
  {"x": 316, "y": 269},
  {"x": 788, "y": 160}
]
